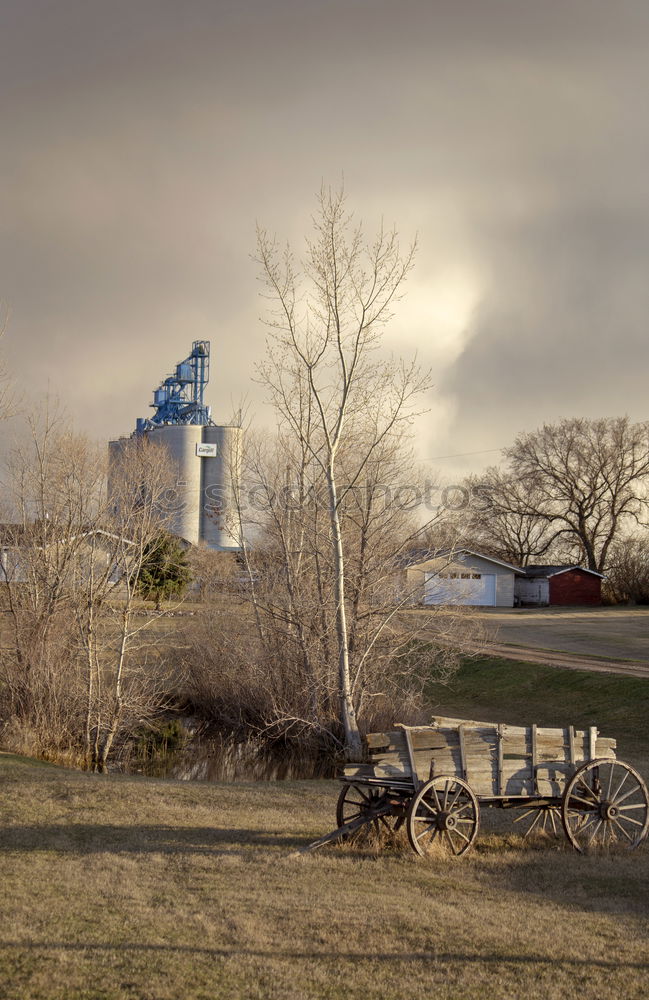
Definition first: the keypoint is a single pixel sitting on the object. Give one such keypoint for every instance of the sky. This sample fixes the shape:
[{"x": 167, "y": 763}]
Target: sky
[{"x": 141, "y": 141}]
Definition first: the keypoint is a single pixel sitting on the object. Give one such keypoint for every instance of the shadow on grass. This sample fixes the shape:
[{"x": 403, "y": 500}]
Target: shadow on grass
[
  {"x": 436, "y": 958},
  {"x": 91, "y": 838}
]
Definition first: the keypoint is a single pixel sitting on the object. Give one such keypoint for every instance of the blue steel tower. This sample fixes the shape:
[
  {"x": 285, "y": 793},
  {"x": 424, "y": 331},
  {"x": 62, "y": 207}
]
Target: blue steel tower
[{"x": 179, "y": 399}]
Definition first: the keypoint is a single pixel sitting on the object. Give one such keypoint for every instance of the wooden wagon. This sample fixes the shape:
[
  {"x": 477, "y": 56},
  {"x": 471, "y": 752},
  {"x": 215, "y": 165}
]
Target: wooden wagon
[{"x": 436, "y": 778}]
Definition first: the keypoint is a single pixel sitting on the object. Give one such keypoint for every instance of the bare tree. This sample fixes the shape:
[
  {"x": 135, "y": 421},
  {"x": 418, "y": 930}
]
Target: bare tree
[
  {"x": 343, "y": 411},
  {"x": 129, "y": 524},
  {"x": 274, "y": 673},
  {"x": 70, "y": 564},
  {"x": 584, "y": 479},
  {"x": 7, "y": 390},
  {"x": 502, "y": 518},
  {"x": 627, "y": 575}
]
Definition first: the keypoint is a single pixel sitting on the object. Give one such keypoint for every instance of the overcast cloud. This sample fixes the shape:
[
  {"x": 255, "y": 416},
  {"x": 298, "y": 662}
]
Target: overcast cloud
[{"x": 140, "y": 142}]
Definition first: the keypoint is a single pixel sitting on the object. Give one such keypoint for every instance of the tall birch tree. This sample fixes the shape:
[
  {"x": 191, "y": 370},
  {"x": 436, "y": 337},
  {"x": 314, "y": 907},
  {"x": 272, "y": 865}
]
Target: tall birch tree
[{"x": 327, "y": 378}]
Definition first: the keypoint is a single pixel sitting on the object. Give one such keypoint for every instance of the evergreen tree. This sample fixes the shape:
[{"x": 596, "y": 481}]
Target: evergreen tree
[{"x": 165, "y": 572}]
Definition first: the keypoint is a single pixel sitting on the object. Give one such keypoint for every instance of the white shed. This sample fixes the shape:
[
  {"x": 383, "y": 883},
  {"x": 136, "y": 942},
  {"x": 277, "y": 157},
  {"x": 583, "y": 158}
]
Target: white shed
[{"x": 462, "y": 577}]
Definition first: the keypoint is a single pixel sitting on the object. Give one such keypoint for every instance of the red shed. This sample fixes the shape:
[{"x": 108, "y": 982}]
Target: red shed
[{"x": 559, "y": 585}]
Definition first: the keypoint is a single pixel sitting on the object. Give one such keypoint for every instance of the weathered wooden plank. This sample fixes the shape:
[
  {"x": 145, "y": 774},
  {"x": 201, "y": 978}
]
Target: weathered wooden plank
[
  {"x": 451, "y": 723},
  {"x": 412, "y": 764},
  {"x": 441, "y": 741},
  {"x": 571, "y": 744},
  {"x": 394, "y": 756},
  {"x": 463, "y": 771},
  {"x": 358, "y": 770},
  {"x": 378, "y": 739},
  {"x": 397, "y": 742},
  {"x": 499, "y": 775}
]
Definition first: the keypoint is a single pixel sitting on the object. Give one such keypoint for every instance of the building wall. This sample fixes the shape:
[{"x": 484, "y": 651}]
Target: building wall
[
  {"x": 416, "y": 576},
  {"x": 532, "y": 591},
  {"x": 575, "y": 587}
]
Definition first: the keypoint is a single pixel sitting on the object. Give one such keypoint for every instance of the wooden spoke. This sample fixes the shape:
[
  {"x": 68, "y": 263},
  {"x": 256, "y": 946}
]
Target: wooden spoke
[
  {"x": 528, "y": 812},
  {"x": 623, "y": 798},
  {"x": 433, "y": 810},
  {"x": 455, "y": 798},
  {"x": 534, "y": 822},
  {"x": 450, "y": 812},
  {"x": 590, "y": 791},
  {"x": 436, "y": 799},
  {"x": 591, "y": 803},
  {"x": 598, "y": 827},
  {"x": 610, "y": 783},
  {"x": 630, "y": 819},
  {"x": 619, "y": 787},
  {"x": 622, "y": 830},
  {"x": 451, "y": 842},
  {"x": 543, "y": 820},
  {"x": 614, "y": 790}
]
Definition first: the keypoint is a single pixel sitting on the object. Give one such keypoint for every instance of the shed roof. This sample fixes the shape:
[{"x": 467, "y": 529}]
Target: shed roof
[
  {"x": 554, "y": 570},
  {"x": 454, "y": 553}
]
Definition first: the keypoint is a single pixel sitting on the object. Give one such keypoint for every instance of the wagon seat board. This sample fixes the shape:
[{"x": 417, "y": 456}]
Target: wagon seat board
[{"x": 497, "y": 761}]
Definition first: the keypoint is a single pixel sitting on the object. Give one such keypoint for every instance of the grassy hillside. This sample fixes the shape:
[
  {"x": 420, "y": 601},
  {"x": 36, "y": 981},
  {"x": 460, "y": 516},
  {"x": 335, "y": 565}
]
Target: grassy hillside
[
  {"x": 499, "y": 690},
  {"x": 119, "y": 887}
]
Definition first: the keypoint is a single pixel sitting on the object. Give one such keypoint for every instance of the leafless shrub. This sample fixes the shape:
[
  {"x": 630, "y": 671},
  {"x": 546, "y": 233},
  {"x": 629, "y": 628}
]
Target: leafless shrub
[
  {"x": 73, "y": 673},
  {"x": 627, "y": 578}
]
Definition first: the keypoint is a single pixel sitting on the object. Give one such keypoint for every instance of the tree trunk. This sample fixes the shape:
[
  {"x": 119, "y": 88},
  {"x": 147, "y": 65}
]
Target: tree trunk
[{"x": 353, "y": 744}]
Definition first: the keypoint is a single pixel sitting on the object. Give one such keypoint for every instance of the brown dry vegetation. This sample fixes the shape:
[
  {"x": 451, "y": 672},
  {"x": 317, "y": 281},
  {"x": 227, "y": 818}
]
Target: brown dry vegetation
[{"x": 120, "y": 887}]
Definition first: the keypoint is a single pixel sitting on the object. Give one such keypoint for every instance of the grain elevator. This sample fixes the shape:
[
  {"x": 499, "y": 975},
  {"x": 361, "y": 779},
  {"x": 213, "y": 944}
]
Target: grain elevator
[{"x": 206, "y": 457}]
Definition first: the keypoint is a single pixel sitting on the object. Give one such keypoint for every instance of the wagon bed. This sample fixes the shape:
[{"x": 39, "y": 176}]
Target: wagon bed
[
  {"x": 434, "y": 779},
  {"x": 498, "y": 761}
]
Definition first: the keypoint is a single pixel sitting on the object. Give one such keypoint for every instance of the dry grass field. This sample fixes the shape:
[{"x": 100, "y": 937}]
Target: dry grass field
[
  {"x": 127, "y": 888},
  {"x": 121, "y": 887}
]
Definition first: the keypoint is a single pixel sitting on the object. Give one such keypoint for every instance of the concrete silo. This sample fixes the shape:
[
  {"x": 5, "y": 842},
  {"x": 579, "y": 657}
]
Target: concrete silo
[
  {"x": 221, "y": 474},
  {"x": 181, "y": 442},
  {"x": 206, "y": 458}
]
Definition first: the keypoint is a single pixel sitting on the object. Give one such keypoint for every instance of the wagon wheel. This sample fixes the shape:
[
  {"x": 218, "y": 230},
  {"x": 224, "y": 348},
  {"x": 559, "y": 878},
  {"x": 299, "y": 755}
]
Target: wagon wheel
[
  {"x": 355, "y": 800},
  {"x": 445, "y": 811},
  {"x": 605, "y": 803},
  {"x": 545, "y": 820}
]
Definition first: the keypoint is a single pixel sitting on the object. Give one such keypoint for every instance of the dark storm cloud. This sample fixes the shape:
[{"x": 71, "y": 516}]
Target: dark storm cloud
[{"x": 141, "y": 141}]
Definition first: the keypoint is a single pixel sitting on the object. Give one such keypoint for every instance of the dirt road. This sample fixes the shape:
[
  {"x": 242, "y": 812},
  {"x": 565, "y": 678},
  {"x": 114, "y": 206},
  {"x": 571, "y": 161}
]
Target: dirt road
[
  {"x": 614, "y": 640},
  {"x": 611, "y": 640}
]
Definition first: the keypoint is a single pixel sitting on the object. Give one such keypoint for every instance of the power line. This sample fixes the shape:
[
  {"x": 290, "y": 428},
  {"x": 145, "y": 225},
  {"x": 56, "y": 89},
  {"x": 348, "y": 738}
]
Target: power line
[{"x": 464, "y": 454}]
